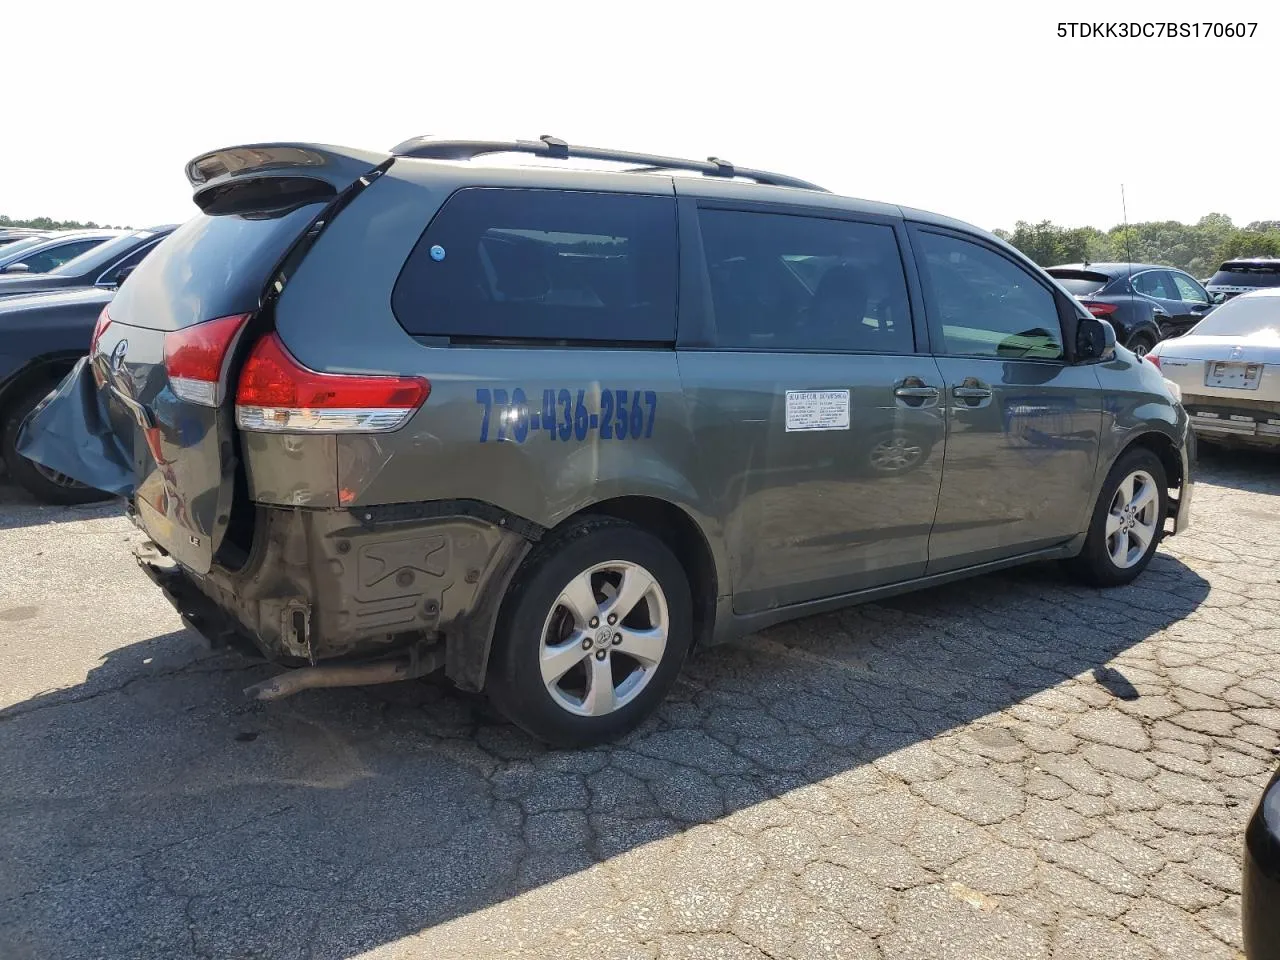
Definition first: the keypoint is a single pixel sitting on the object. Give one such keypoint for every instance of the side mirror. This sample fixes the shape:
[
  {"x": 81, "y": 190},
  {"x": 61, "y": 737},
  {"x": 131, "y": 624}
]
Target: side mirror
[
  {"x": 1095, "y": 340},
  {"x": 1217, "y": 297},
  {"x": 17, "y": 268}
]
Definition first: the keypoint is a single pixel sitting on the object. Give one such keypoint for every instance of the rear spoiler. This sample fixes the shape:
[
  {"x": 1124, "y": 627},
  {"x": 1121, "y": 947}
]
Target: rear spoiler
[{"x": 270, "y": 176}]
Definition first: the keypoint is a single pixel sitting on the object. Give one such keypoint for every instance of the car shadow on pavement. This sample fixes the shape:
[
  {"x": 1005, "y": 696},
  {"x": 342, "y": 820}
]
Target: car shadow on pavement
[
  {"x": 152, "y": 811},
  {"x": 23, "y": 510},
  {"x": 1241, "y": 468}
]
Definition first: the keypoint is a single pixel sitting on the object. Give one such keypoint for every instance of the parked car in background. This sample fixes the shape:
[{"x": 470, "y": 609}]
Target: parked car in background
[
  {"x": 104, "y": 265},
  {"x": 547, "y": 428},
  {"x": 1242, "y": 276},
  {"x": 41, "y": 338},
  {"x": 40, "y": 254},
  {"x": 1228, "y": 369},
  {"x": 10, "y": 235},
  {"x": 1260, "y": 886},
  {"x": 1144, "y": 302}
]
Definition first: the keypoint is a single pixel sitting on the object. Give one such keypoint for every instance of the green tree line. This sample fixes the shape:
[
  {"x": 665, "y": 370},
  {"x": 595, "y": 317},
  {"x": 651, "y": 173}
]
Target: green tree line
[
  {"x": 1197, "y": 248},
  {"x": 47, "y": 223}
]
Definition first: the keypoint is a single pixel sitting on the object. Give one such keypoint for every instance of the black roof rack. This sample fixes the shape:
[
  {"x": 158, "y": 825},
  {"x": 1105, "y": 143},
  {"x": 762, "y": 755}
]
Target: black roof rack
[{"x": 432, "y": 148}]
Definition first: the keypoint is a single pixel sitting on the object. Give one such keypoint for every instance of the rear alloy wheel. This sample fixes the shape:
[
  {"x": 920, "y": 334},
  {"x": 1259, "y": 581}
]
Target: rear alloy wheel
[
  {"x": 47, "y": 486},
  {"x": 592, "y": 634},
  {"x": 1127, "y": 521}
]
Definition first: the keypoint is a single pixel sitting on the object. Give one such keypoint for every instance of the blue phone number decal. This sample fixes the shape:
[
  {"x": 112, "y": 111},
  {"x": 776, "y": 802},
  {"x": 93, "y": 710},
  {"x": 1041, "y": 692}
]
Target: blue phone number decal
[{"x": 622, "y": 415}]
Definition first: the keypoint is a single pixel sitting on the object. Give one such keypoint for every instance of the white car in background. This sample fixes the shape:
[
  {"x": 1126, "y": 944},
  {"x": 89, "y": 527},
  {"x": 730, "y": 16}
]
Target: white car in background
[{"x": 1227, "y": 368}]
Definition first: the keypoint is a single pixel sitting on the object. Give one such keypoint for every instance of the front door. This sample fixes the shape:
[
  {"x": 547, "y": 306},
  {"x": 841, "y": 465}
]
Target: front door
[
  {"x": 1023, "y": 424},
  {"x": 819, "y": 424}
]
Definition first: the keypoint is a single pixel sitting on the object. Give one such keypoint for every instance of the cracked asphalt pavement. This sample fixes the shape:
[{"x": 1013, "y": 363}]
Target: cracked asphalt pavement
[{"x": 1009, "y": 767}]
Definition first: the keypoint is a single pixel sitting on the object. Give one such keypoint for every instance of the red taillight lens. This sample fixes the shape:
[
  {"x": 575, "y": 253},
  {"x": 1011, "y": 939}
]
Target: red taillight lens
[
  {"x": 193, "y": 357},
  {"x": 278, "y": 394},
  {"x": 99, "y": 328},
  {"x": 1155, "y": 361},
  {"x": 1100, "y": 309}
]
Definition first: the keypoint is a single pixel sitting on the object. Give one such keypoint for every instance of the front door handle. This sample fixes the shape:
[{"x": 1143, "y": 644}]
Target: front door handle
[{"x": 914, "y": 392}]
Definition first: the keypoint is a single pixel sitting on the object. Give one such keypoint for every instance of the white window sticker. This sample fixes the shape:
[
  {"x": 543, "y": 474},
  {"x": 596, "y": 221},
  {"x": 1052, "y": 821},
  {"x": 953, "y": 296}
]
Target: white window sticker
[{"x": 817, "y": 410}]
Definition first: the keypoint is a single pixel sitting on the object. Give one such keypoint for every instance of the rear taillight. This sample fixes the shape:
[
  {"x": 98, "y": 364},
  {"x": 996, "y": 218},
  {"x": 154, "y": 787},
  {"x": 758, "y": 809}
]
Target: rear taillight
[
  {"x": 1100, "y": 309},
  {"x": 1155, "y": 361},
  {"x": 99, "y": 328},
  {"x": 194, "y": 358},
  {"x": 277, "y": 394}
]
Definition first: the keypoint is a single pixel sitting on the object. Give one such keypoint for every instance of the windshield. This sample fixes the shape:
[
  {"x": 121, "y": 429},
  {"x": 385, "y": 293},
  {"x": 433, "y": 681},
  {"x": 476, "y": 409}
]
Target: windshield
[
  {"x": 1080, "y": 283},
  {"x": 1252, "y": 316},
  {"x": 100, "y": 256}
]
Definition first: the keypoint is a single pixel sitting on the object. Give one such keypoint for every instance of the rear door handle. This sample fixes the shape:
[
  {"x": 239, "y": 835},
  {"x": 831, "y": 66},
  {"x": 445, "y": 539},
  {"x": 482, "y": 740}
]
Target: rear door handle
[{"x": 971, "y": 393}]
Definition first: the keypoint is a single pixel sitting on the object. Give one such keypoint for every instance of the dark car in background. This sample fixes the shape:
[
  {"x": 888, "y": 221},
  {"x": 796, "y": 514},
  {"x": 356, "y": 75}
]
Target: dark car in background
[
  {"x": 1144, "y": 302},
  {"x": 104, "y": 266},
  {"x": 26, "y": 256},
  {"x": 1243, "y": 276},
  {"x": 41, "y": 338}
]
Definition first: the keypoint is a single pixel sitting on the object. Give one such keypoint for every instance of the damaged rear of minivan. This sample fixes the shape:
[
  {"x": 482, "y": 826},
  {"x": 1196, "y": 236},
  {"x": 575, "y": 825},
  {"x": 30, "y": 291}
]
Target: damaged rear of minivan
[{"x": 193, "y": 405}]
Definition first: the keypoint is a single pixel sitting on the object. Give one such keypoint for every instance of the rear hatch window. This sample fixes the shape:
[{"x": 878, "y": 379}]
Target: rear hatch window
[
  {"x": 209, "y": 267},
  {"x": 1080, "y": 283},
  {"x": 1247, "y": 273}
]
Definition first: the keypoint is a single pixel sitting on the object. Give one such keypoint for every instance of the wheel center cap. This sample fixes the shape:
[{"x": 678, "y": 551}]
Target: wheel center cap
[{"x": 603, "y": 637}]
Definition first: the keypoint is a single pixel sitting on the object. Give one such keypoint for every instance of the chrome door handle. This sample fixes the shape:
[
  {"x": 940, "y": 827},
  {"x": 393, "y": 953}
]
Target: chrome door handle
[
  {"x": 916, "y": 393},
  {"x": 971, "y": 393}
]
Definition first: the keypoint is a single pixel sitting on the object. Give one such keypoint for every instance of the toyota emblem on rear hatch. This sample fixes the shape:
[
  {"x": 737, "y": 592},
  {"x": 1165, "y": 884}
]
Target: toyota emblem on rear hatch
[{"x": 117, "y": 356}]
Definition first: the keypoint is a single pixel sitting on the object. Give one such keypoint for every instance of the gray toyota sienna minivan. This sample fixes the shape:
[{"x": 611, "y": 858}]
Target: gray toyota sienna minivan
[{"x": 552, "y": 428}]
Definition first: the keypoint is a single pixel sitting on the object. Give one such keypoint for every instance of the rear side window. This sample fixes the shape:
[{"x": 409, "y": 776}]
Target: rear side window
[
  {"x": 54, "y": 257},
  {"x": 510, "y": 264},
  {"x": 1156, "y": 283},
  {"x": 1080, "y": 283},
  {"x": 781, "y": 282}
]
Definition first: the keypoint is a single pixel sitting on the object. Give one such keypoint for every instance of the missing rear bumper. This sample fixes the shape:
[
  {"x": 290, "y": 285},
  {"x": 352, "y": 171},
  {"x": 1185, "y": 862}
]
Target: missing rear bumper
[{"x": 323, "y": 585}]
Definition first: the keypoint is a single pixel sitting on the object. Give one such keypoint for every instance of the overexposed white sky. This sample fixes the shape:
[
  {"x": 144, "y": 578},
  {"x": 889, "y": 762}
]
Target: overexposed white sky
[{"x": 976, "y": 110}]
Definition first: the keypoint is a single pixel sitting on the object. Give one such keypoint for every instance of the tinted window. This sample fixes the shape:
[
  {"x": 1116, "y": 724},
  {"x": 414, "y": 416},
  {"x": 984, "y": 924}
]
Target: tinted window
[
  {"x": 502, "y": 264},
  {"x": 1245, "y": 274},
  {"x": 1080, "y": 283},
  {"x": 803, "y": 283},
  {"x": 132, "y": 260},
  {"x": 987, "y": 305},
  {"x": 1156, "y": 283},
  {"x": 1188, "y": 289},
  {"x": 209, "y": 267},
  {"x": 46, "y": 260}
]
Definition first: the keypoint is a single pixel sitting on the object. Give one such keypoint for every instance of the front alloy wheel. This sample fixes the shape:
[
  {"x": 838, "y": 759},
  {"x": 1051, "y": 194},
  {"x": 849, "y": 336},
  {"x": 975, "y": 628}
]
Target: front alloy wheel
[{"x": 1133, "y": 519}]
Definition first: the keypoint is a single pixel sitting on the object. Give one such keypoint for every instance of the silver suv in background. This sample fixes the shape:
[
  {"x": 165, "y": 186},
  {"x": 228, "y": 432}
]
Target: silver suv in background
[{"x": 551, "y": 429}]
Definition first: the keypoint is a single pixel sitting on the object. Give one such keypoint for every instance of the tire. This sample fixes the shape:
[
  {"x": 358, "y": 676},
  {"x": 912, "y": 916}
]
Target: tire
[
  {"x": 1098, "y": 563},
  {"x": 541, "y": 613},
  {"x": 42, "y": 483},
  {"x": 1141, "y": 344}
]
